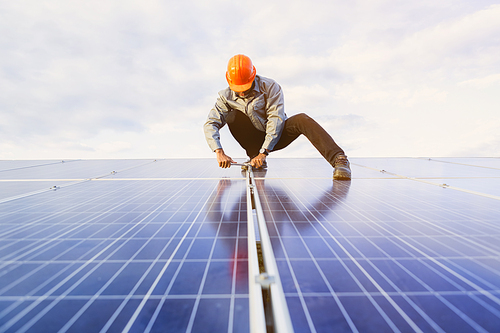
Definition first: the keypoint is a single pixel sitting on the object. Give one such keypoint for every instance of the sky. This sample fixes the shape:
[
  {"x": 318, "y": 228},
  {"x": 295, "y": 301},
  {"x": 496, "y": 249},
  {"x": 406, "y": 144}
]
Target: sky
[{"x": 136, "y": 79}]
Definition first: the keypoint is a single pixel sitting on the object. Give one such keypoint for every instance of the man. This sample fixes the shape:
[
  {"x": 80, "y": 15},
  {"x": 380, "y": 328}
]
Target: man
[{"x": 253, "y": 108}]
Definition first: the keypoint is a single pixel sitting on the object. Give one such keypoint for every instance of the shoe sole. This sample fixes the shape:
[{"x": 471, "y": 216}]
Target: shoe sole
[{"x": 341, "y": 176}]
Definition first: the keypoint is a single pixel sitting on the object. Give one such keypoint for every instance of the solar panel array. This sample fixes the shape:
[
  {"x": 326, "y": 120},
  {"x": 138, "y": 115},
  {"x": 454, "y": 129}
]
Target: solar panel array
[{"x": 161, "y": 245}]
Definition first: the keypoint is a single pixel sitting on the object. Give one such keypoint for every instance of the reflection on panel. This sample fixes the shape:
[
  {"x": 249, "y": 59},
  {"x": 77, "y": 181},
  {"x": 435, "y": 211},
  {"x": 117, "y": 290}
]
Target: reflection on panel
[
  {"x": 415, "y": 257},
  {"x": 145, "y": 245},
  {"x": 138, "y": 255}
]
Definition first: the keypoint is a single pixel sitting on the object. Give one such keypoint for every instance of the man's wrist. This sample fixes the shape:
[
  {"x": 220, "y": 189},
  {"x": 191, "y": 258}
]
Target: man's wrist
[{"x": 264, "y": 151}]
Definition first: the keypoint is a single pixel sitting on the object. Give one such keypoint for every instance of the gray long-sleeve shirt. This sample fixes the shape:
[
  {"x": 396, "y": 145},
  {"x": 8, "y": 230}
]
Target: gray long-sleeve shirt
[{"x": 265, "y": 107}]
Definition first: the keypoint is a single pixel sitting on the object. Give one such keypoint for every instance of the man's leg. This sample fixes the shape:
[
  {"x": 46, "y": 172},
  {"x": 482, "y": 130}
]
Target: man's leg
[
  {"x": 303, "y": 124},
  {"x": 242, "y": 129}
]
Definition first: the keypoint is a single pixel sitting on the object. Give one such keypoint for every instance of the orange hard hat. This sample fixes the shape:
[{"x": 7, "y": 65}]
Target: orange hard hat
[{"x": 240, "y": 73}]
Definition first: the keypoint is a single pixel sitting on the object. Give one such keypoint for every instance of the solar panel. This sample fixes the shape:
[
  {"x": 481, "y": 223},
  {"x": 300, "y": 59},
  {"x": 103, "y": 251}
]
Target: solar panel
[{"x": 145, "y": 245}]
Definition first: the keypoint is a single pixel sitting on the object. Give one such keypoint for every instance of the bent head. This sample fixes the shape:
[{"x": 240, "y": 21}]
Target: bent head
[
  {"x": 245, "y": 93},
  {"x": 240, "y": 74}
]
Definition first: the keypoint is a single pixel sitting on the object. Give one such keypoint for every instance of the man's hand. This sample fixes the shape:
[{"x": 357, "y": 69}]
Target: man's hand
[
  {"x": 223, "y": 160},
  {"x": 258, "y": 160}
]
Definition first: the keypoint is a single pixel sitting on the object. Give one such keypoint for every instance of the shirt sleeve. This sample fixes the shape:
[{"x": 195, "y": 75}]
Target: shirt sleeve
[
  {"x": 215, "y": 121},
  {"x": 275, "y": 112}
]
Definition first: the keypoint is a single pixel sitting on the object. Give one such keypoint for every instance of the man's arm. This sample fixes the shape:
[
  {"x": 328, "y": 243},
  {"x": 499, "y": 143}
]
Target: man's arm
[
  {"x": 215, "y": 121},
  {"x": 275, "y": 113},
  {"x": 258, "y": 160},
  {"x": 223, "y": 160}
]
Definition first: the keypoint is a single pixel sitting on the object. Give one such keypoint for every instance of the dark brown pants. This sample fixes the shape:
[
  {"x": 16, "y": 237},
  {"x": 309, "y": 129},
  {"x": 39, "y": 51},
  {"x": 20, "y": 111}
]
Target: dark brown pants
[{"x": 251, "y": 139}]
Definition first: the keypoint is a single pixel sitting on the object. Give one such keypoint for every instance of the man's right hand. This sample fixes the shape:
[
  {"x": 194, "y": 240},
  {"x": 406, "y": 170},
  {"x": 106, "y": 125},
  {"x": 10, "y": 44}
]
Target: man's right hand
[{"x": 223, "y": 160}]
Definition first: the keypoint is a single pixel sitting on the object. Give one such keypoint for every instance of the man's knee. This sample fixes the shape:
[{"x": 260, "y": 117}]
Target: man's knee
[
  {"x": 301, "y": 119},
  {"x": 302, "y": 116}
]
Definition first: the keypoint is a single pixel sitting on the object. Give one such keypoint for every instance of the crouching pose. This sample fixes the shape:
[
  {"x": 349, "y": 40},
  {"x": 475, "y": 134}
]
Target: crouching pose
[{"x": 253, "y": 108}]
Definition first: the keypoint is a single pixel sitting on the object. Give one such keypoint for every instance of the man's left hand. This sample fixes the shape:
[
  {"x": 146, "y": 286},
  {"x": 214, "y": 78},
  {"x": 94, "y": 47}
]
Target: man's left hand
[{"x": 258, "y": 160}]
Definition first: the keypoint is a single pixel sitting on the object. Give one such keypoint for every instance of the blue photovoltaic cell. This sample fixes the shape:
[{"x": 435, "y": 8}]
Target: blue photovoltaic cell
[
  {"x": 97, "y": 253},
  {"x": 378, "y": 255},
  {"x": 161, "y": 246}
]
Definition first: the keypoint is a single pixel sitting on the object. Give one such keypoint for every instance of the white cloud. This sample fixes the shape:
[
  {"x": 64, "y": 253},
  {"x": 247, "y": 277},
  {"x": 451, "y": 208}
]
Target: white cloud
[
  {"x": 481, "y": 82},
  {"x": 114, "y": 147},
  {"x": 482, "y": 139},
  {"x": 432, "y": 57},
  {"x": 129, "y": 79}
]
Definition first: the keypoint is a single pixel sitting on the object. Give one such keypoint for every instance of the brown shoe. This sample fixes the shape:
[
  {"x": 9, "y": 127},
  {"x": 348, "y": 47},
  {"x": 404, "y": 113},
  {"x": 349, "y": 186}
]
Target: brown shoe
[{"x": 342, "y": 170}]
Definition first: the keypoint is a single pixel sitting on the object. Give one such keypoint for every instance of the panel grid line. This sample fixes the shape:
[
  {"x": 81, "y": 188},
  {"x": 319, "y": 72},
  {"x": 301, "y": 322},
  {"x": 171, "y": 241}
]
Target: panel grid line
[
  {"x": 458, "y": 312},
  {"x": 480, "y": 290},
  {"x": 160, "y": 275},
  {"x": 152, "y": 264},
  {"x": 441, "y": 265},
  {"x": 203, "y": 279},
  {"x": 332, "y": 293},
  {"x": 163, "y": 245},
  {"x": 381, "y": 290},
  {"x": 54, "y": 302}
]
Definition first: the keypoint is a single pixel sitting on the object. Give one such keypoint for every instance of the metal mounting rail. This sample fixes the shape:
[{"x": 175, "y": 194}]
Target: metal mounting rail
[{"x": 268, "y": 308}]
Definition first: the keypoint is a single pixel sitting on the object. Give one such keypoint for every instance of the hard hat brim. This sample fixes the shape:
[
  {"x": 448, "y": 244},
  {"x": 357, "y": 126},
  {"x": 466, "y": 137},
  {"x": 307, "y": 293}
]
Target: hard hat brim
[{"x": 241, "y": 87}]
